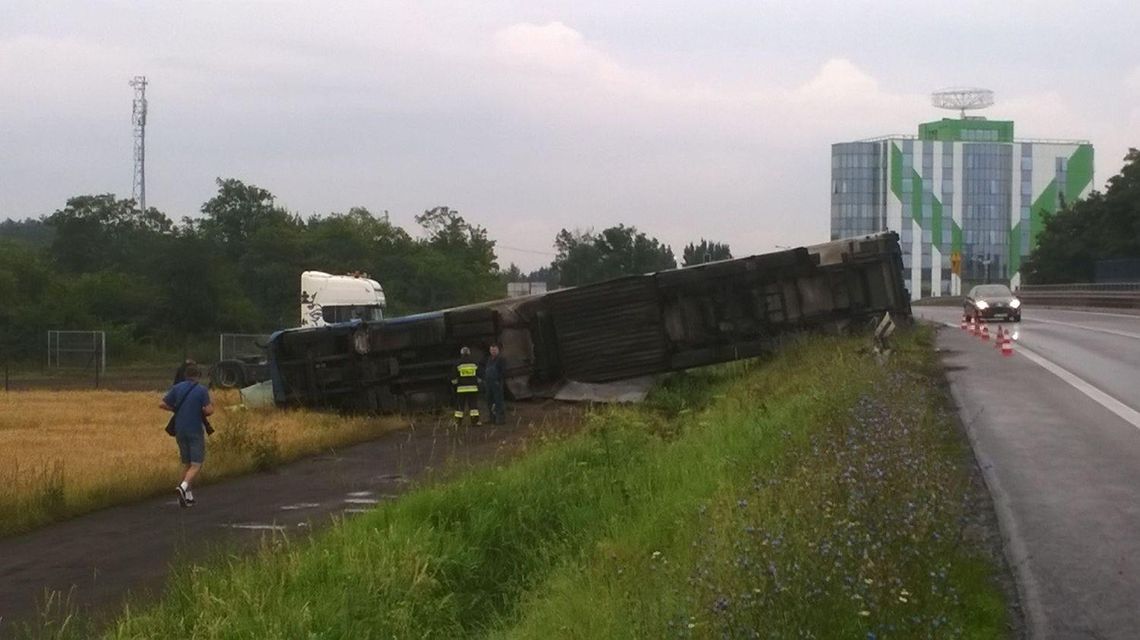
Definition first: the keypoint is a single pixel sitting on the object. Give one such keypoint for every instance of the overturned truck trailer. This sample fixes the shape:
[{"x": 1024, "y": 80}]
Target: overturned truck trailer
[{"x": 620, "y": 329}]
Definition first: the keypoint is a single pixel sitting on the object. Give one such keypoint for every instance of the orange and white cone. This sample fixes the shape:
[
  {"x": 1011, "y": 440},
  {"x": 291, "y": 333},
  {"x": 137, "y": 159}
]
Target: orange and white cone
[
  {"x": 965, "y": 323},
  {"x": 1007, "y": 347},
  {"x": 985, "y": 332}
]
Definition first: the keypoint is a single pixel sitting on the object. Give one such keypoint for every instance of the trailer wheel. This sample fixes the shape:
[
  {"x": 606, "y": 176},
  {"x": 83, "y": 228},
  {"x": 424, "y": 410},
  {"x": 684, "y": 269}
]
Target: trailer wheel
[{"x": 227, "y": 375}]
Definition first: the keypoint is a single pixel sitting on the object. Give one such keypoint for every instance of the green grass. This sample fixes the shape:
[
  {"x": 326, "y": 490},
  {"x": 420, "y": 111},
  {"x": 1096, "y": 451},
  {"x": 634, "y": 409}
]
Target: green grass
[{"x": 815, "y": 495}]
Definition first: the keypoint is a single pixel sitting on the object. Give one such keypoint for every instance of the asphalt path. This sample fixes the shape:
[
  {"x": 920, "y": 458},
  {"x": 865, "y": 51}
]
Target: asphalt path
[{"x": 1056, "y": 428}]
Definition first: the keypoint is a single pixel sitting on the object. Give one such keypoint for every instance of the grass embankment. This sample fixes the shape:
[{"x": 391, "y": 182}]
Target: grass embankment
[
  {"x": 65, "y": 453},
  {"x": 817, "y": 495}
]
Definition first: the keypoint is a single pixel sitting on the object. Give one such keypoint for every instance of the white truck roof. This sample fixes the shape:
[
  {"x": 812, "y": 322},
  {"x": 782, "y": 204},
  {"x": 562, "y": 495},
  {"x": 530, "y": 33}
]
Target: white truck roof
[{"x": 320, "y": 289}]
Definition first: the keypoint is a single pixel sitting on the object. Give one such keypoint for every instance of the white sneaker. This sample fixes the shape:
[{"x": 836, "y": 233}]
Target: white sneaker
[
  {"x": 182, "y": 499},
  {"x": 189, "y": 498}
]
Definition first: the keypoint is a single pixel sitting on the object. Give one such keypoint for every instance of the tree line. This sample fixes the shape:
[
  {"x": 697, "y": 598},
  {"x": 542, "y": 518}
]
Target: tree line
[
  {"x": 1104, "y": 226},
  {"x": 102, "y": 263}
]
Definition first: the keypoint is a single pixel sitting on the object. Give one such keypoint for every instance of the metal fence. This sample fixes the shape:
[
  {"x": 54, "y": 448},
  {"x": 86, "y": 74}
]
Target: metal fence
[
  {"x": 236, "y": 346},
  {"x": 1118, "y": 295},
  {"x": 77, "y": 350}
]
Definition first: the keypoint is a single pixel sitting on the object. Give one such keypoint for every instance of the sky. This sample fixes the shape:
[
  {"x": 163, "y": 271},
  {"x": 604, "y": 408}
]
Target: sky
[{"x": 708, "y": 119}]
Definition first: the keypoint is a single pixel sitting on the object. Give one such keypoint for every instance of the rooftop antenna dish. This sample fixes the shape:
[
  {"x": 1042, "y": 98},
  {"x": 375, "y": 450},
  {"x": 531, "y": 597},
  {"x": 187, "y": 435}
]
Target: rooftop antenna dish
[{"x": 963, "y": 99}]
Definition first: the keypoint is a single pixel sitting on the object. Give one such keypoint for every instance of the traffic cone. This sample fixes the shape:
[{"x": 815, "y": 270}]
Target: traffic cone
[
  {"x": 965, "y": 323},
  {"x": 1007, "y": 347},
  {"x": 985, "y": 332}
]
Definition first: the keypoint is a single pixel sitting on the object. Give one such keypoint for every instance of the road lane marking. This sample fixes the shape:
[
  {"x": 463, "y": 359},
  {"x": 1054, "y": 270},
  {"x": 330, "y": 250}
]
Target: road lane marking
[
  {"x": 1123, "y": 334},
  {"x": 1125, "y": 412},
  {"x": 256, "y": 527},
  {"x": 300, "y": 505}
]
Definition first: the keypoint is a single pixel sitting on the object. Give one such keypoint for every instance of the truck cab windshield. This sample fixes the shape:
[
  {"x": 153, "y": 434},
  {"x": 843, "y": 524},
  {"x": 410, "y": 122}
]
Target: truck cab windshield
[{"x": 345, "y": 313}]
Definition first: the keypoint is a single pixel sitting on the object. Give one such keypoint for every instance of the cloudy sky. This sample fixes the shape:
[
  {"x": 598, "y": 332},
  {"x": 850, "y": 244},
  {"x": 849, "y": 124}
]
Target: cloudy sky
[{"x": 686, "y": 119}]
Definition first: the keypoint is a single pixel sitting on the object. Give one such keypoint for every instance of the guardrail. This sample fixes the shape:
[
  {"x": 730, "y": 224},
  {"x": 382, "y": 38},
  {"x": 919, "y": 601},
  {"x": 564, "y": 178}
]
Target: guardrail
[{"x": 1118, "y": 295}]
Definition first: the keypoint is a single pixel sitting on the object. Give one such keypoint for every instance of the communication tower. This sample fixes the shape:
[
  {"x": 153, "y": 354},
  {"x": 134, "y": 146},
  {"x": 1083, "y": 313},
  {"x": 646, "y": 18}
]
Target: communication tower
[
  {"x": 138, "y": 119},
  {"x": 963, "y": 99}
]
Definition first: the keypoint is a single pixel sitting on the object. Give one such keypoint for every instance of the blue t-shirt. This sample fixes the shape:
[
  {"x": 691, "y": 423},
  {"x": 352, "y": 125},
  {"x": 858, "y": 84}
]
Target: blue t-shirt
[{"x": 188, "y": 419}]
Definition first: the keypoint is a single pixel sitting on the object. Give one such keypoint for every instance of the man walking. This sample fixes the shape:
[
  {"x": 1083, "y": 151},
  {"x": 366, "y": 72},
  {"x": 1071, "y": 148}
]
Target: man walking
[
  {"x": 493, "y": 381},
  {"x": 190, "y": 403},
  {"x": 466, "y": 385}
]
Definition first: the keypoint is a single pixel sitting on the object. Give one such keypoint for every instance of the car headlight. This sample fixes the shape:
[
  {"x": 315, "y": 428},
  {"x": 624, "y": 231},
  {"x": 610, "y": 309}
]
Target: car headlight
[
  {"x": 1015, "y": 303},
  {"x": 982, "y": 304}
]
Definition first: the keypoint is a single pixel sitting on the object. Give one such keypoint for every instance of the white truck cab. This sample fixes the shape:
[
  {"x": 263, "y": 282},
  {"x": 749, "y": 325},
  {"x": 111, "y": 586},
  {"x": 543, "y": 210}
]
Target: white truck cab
[{"x": 328, "y": 299}]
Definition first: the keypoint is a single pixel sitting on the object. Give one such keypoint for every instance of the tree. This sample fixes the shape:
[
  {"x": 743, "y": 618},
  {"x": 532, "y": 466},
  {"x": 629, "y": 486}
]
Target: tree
[
  {"x": 35, "y": 233},
  {"x": 547, "y": 274},
  {"x": 584, "y": 256},
  {"x": 456, "y": 263},
  {"x": 237, "y": 212},
  {"x": 705, "y": 252},
  {"x": 25, "y": 280},
  {"x": 97, "y": 231},
  {"x": 512, "y": 274},
  {"x": 1100, "y": 227}
]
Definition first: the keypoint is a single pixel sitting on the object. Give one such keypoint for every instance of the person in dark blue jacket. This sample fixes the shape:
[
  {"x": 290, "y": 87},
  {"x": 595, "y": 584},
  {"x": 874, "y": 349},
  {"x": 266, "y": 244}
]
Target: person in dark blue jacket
[
  {"x": 190, "y": 403},
  {"x": 494, "y": 379}
]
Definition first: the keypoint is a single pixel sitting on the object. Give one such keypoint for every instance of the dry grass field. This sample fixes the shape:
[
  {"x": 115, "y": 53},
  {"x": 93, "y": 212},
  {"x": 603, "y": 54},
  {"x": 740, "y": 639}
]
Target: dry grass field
[{"x": 68, "y": 452}]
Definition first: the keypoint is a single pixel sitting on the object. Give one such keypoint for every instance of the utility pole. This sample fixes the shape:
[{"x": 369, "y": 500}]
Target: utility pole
[{"x": 138, "y": 119}]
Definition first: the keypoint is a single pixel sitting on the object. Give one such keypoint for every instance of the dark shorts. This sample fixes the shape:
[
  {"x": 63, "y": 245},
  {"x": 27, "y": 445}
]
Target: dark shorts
[{"x": 192, "y": 448}]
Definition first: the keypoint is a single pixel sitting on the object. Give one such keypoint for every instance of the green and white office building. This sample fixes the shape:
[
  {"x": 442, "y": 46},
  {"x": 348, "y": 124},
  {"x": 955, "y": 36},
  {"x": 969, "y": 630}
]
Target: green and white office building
[{"x": 963, "y": 192}]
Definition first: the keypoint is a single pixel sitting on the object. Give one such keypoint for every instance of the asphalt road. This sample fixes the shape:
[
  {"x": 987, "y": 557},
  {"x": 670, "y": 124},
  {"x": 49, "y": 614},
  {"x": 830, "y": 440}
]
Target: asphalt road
[{"x": 1056, "y": 428}]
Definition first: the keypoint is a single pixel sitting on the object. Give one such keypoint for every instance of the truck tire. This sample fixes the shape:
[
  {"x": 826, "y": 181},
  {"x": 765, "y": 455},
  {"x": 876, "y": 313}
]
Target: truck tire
[{"x": 227, "y": 375}]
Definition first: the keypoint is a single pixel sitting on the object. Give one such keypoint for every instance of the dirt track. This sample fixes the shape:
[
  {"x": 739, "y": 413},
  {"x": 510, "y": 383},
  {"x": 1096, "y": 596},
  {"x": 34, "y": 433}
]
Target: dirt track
[
  {"x": 130, "y": 378},
  {"x": 102, "y": 556}
]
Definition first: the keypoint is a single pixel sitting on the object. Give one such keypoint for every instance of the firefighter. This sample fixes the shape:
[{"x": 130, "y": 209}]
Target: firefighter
[{"x": 466, "y": 383}]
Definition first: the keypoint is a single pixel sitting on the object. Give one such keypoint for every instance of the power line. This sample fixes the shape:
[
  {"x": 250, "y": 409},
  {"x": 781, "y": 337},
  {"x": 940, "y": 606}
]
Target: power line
[{"x": 541, "y": 253}]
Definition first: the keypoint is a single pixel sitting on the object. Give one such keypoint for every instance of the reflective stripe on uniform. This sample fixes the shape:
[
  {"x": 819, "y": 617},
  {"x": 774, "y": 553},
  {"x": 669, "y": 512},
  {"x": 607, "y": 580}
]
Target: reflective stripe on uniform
[
  {"x": 467, "y": 388},
  {"x": 474, "y": 413},
  {"x": 459, "y": 414},
  {"x": 468, "y": 370}
]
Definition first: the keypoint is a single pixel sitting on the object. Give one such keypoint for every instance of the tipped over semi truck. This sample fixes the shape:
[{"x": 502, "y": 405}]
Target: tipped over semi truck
[{"x": 595, "y": 335}]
